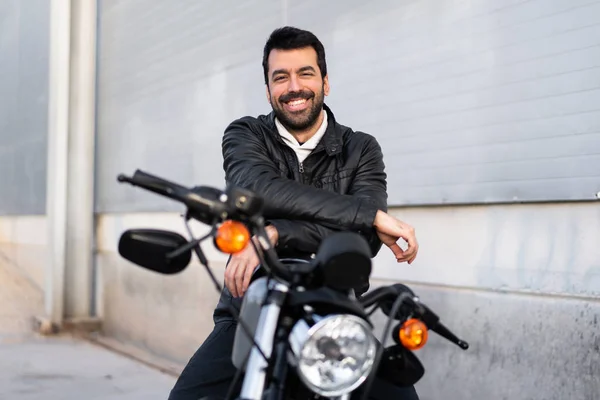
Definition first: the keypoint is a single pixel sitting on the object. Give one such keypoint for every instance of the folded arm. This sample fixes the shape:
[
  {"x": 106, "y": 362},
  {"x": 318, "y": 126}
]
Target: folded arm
[
  {"x": 369, "y": 184},
  {"x": 302, "y": 214},
  {"x": 247, "y": 164},
  {"x": 302, "y": 236}
]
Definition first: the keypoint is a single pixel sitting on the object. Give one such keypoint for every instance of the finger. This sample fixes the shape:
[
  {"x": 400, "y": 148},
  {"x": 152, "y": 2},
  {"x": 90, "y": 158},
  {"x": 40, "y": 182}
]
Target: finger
[
  {"x": 411, "y": 239},
  {"x": 247, "y": 277},
  {"x": 401, "y": 255},
  {"x": 415, "y": 252},
  {"x": 412, "y": 259},
  {"x": 409, "y": 253},
  {"x": 412, "y": 245},
  {"x": 405, "y": 257},
  {"x": 230, "y": 277},
  {"x": 239, "y": 278},
  {"x": 398, "y": 252}
]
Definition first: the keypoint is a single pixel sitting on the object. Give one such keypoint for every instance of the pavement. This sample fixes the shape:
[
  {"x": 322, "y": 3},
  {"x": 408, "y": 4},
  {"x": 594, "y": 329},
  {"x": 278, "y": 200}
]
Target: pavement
[{"x": 62, "y": 367}]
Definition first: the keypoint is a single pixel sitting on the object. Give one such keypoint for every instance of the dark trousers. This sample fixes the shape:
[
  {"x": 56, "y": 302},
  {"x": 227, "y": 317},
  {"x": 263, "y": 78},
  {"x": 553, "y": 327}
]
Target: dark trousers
[{"x": 210, "y": 371}]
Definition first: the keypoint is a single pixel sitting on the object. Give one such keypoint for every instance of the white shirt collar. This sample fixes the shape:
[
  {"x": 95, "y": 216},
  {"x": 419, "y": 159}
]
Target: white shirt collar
[{"x": 302, "y": 151}]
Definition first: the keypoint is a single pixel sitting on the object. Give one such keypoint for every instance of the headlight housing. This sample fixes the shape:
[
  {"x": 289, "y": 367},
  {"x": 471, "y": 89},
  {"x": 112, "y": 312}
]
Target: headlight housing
[{"x": 335, "y": 355}]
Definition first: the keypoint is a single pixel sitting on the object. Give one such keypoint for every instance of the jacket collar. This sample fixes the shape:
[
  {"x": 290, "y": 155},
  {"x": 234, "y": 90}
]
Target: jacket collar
[{"x": 332, "y": 139}]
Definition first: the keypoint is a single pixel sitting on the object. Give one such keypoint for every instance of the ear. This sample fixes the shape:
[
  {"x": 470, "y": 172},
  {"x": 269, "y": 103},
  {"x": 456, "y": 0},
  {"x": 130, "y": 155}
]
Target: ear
[
  {"x": 326, "y": 85},
  {"x": 268, "y": 93}
]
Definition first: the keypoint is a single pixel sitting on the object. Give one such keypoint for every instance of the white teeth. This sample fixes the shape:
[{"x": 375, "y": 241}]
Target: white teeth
[{"x": 297, "y": 102}]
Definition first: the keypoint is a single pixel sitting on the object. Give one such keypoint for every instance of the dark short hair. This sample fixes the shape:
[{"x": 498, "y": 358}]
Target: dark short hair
[{"x": 290, "y": 38}]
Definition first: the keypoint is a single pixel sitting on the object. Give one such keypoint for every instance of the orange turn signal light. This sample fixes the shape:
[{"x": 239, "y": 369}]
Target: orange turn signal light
[
  {"x": 413, "y": 334},
  {"x": 232, "y": 237}
]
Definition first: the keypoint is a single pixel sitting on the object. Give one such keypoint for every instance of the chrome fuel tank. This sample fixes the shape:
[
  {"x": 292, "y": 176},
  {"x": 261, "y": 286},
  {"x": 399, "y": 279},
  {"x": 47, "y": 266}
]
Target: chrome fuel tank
[{"x": 249, "y": 313}]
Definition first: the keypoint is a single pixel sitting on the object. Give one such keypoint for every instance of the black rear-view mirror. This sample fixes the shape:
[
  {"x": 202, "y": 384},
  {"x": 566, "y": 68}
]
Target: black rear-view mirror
[{"x": 154, "y": 249}]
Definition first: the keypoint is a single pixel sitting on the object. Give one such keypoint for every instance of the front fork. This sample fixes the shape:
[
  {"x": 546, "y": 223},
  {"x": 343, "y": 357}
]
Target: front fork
[{"x": 256, "y": 369}]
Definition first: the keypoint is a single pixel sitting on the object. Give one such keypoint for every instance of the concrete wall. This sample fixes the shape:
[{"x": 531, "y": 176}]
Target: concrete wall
[
  {"x": 23, "y": 246},
  {"x": 519, "y": 283},
  {"x": 547, "y": 249},
  {"x": 166, "y": 315},
  {"x": 522, "y": 346}
]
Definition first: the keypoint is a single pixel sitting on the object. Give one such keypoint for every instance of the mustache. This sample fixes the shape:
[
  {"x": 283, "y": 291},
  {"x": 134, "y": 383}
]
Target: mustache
[{"x": 296, "y": 96}]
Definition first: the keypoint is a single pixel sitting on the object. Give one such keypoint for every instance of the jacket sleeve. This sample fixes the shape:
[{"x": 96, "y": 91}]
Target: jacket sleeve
[
  {"x": 307, "y": 236},
  {"x": 303, "y": 236},
  {"x": 369, "y": 184},
  {"x": 247, "y": 164}
]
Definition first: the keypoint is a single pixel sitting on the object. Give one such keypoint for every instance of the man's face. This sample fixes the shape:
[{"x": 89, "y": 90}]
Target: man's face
[{"x": 296, "y": 90}]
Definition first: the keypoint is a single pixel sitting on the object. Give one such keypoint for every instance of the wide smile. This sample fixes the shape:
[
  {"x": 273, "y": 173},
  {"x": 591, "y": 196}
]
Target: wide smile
[{"x": 296, "y": 105}]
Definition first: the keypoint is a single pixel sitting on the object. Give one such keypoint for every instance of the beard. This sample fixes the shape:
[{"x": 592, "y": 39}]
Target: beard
[{"x": 301, "y": 120}]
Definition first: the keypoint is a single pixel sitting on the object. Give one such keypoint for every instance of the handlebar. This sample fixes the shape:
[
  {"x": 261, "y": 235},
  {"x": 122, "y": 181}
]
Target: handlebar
[
  {"x": 210, "y": 206},
  {"x": 386, "y": 295},
  {"x": 206, "y": 204},
  {"x": 157, "y": 185},
  {"x": 200, "y": 201}
]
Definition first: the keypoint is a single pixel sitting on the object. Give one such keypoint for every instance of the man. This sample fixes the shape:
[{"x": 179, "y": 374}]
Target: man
[{"x": 316, "y": 176}]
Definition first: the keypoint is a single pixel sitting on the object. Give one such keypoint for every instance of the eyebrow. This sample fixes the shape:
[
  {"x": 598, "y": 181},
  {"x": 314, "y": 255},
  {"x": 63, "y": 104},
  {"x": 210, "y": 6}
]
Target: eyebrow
[{"x": 283, "y": 71}]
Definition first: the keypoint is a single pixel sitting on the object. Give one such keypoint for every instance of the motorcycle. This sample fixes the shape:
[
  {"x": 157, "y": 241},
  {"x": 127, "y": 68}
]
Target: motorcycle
[{"x": 301, "y": 331}]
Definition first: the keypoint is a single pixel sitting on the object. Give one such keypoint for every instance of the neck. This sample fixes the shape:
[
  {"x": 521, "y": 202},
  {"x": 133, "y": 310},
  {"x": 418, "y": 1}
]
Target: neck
[{"x": 303, "y": 135}]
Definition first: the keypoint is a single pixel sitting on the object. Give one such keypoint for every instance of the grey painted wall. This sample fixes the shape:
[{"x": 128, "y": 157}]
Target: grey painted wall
[
  {"x": 24, "y": 47},
  {"x": 478, "y": 101},
  {"x": 171, "y": 76}
]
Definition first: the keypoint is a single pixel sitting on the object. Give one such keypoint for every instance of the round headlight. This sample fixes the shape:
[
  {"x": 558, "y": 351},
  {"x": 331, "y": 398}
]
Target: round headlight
[{"x": 335, "y": 355}]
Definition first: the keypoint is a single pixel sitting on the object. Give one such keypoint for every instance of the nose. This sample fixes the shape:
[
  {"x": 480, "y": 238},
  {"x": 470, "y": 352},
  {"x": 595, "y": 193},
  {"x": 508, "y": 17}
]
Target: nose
[{"x": 294, "y": 84}]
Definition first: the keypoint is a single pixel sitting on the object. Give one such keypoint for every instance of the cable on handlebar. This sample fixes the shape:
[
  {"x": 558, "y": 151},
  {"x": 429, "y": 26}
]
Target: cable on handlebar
[{"x": 386, "y": 333}]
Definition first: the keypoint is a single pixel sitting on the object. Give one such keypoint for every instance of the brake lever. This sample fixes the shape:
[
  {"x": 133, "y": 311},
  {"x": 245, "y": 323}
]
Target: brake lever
[{"x": 432, "y": 320}]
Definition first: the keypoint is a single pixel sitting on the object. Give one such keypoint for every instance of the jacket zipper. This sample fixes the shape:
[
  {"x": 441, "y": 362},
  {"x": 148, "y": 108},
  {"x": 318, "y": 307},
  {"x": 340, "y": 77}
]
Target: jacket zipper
[{"x": 301, "y": 168}]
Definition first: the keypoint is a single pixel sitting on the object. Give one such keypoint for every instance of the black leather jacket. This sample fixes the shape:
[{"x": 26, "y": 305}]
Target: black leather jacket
[{"x": 339, "y": 186}]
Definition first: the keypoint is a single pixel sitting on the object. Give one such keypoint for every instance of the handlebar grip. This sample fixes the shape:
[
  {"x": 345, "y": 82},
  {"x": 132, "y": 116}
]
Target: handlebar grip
[
  {"x": 444, "y": 332},
  {"x": 376, "y": 295},
  {"x": 203, "y": 202},
  {"x": 157, "y": 185}
]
